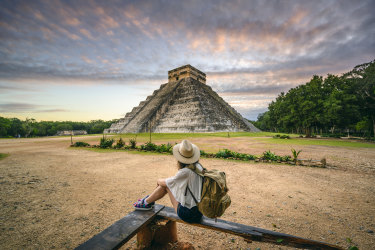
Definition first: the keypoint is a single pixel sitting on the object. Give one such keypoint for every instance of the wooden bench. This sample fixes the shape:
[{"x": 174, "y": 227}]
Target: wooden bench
[{"x": 139, "y": 222}]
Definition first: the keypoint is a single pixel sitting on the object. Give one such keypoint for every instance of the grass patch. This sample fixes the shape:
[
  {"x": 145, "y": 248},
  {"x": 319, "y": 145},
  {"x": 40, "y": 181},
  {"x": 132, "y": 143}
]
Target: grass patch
[
  {"x": 319, "y": 142},
  {"x": 3, "y": 156},
  {"x": 112, "y": 150},
  {"x": 99, "y": 150},
  {"x": 181, "y": 136}
]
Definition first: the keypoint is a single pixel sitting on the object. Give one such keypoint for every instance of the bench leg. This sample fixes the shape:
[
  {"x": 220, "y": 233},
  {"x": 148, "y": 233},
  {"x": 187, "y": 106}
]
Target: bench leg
[{"x": 158, "y": 233}]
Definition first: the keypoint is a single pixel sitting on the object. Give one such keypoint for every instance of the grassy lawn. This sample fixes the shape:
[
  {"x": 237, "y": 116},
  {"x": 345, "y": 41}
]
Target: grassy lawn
[
  {"x": 319, "y": 142},
  {"x": 3, "y": 156},
  {"x": 264, "y": 137},
  {"x": 180, "y": 136}
]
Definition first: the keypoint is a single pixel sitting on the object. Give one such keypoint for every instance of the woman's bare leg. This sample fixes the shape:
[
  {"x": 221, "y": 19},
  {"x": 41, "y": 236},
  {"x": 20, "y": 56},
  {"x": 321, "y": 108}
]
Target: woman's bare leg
[
  {"x": 157, "y": 194},
  {"x": 173, "y": 200}
]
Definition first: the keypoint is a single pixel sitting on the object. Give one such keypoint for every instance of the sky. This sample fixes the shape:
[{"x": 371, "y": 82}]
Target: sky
[{"x": 88, "y": 60}]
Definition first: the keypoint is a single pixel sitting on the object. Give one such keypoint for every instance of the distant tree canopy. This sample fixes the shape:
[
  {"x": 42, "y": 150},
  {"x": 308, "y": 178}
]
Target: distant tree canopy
[
  {"x": 12, "y": 127},
  {"x": 332, "y": 104}
]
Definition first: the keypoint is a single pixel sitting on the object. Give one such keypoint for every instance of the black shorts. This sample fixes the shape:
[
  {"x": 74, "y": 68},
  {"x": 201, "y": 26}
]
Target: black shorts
[{"x": 189, "y": 215}]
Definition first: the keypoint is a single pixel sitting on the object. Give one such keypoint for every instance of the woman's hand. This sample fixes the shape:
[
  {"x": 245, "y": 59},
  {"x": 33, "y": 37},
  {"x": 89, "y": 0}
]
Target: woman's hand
[{"x": 161, "y": 182}]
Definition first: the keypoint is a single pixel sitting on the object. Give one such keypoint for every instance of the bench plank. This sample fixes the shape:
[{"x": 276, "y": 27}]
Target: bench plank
[
  {"x": 249, "y": 232},
  {"x": 122, "y": 230}
]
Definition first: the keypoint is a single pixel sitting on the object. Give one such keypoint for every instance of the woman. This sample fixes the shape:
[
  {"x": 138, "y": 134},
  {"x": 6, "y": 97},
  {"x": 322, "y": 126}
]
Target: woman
[{"x": 184, "y": 189}]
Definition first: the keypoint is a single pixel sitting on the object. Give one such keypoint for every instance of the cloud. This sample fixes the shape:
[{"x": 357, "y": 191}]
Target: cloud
[
  {"x": 87, "y": 60},
  {"x": 53, "y": 72},
  {"x": 26, "y": 107},
  {"x": 245, "y": 47},
  {"x": 231, "y": 90},
  {"x": 227, "y": 36},
  {"x": 16, "y": 107},
  {"x": 86, "y": 33},
  {"x": 8, "y": 87},
  {"x": 51, "y": 111}
]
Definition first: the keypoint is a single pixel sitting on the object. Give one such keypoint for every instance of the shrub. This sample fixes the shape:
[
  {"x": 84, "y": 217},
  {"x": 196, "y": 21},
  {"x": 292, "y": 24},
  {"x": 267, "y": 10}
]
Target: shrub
[
  {"x": 106, "y": 143},
  {"x": 225, "y": 153},
  {"x": 149, "y": 146},
  {"x": 133, "y": 142},
  {"x": 81, "y": 144},
  {"x": 268, "y": 155},
  {"x": 284, "y": 137},
  {"x": 286, "y": 158},
  {"x": 281, "y": 136},
  {"x": 120, "y": 143},
  {"x": 203, "y": 153},
  {"x": 164, "y": 148},
  {"x": 250, "y": 157},
  {"x": 169, "y": 147},
  {"x": 295, "y": 154}
]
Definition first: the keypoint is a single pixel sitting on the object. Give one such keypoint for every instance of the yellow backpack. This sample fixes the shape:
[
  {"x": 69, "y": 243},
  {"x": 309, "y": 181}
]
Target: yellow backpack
[{"x": 214, "y": 199}]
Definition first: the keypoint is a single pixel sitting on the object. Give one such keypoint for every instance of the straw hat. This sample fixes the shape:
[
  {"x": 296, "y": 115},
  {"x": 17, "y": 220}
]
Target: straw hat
[{"x": 186, "y": 152}]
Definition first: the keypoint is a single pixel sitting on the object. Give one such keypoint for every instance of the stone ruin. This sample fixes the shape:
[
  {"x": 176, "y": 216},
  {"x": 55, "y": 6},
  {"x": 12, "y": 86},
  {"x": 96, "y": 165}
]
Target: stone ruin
[
  {"x": 71, "y": 132},
  {"x": 185, "y": 104}
]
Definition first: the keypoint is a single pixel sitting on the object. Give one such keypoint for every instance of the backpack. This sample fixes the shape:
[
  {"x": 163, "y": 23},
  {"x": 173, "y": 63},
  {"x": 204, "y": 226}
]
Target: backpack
[{"x": 214, "y": 197}]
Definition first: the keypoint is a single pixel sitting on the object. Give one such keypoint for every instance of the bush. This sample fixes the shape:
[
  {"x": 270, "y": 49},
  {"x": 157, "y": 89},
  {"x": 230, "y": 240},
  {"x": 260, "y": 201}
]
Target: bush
[
  {"x": 120, "y": 143},
  {"x": 81, "y": 144},
  {"x": 295, "y": 154},
  {"x": 281, "y": 136},
  {"x": 226, "y": 153},
  {"x": 203, "y": 153},
  {"x": 286, "y": 158},
  {"x": 149, "y": 146},
  {"x": 106, "y": 143},
  {"x": 250, "y": 157},
  {"x": 268, "y": 155},
  {"x": 164, "y": 148},
  {"x": 133, "y": 142}
]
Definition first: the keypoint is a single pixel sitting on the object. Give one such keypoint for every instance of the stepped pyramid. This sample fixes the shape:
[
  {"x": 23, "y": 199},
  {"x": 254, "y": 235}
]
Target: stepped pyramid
[{"x": 183, "y": 105}]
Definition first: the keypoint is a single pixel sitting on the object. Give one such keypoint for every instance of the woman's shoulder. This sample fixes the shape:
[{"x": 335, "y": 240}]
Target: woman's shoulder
[{"x": 184, "y": 170}]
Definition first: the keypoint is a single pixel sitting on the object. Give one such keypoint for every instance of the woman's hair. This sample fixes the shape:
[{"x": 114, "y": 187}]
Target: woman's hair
[{"x": 181, "y": 165}]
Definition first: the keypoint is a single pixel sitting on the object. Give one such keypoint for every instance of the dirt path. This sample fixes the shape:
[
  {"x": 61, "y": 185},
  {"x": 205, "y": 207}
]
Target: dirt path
[{"x": 56, "y": 197}]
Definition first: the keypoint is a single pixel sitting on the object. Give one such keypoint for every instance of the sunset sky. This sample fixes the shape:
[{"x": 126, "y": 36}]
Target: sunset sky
[{"x": 86, "y": 60}]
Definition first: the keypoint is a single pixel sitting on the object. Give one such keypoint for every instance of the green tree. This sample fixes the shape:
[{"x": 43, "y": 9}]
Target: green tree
[
  {"x": 333, "y": 103},
  {"x": 362, "y": 77},
  {"x": 5, "y": 125}
]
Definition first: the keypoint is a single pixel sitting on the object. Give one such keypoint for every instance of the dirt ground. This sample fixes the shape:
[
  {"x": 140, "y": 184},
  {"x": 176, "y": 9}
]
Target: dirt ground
[{"x": 52, "y": 196}]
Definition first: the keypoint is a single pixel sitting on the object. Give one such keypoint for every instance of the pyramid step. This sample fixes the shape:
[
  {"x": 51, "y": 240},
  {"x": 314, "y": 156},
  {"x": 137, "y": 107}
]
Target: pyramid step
[{"x": 138, "y": 123}]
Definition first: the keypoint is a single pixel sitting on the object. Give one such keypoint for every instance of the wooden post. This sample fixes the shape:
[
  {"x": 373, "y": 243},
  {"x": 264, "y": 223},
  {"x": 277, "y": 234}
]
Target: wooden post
[
  {"x": 150, "y": 132},
  {"x": 157, "y": 234},
  {"x": 71, "y": 137}
]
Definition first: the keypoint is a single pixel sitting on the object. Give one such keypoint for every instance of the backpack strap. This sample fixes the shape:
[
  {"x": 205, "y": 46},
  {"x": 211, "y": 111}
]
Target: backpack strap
[
  {"x": 187, "y": 188},
  {"x": 200, "y": 172}
]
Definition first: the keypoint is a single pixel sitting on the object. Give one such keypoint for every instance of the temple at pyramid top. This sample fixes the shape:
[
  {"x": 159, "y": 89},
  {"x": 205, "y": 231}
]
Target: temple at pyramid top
[
  {"x": 184, "y": 104},
  {"x": 185, "y": 72}
]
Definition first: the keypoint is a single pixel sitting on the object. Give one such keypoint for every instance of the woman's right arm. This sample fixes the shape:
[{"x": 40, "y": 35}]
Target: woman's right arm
[
  {"x": 161, "y": 182},
  {"x": 181, "y": 174}
]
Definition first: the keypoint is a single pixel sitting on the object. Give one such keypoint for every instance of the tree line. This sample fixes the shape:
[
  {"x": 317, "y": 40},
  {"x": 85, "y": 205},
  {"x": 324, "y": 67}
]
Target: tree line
[
  {"x": 335, "y": 104},
  {"x": 14, "y": 127}
]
